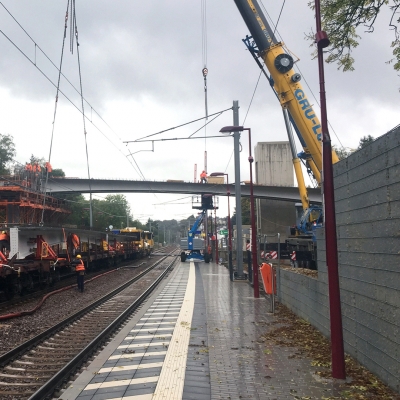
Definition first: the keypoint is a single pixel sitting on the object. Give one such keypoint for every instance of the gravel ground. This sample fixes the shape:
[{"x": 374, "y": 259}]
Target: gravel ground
[{"x": 61, "y": 305}]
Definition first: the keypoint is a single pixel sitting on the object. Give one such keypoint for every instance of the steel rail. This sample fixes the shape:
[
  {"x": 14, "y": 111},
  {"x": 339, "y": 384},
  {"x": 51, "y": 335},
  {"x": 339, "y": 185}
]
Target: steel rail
[
  {"x": 23, "y": 347},
  {"x": 53, "y": 383}
]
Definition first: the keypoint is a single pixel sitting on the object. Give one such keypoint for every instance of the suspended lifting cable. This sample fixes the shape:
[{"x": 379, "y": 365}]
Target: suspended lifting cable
[
  {"x": 55, "y": 112},
  {"x": 74, "y": 29},
  {"x": 204, "y": 70}
]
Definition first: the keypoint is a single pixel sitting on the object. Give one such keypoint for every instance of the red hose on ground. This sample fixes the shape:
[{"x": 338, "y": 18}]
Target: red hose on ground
[{"x": 33, "y": 310}]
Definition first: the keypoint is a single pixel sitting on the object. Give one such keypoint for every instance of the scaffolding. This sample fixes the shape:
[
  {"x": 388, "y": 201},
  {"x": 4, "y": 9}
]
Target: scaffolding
[{"x": 22, "y": 203}]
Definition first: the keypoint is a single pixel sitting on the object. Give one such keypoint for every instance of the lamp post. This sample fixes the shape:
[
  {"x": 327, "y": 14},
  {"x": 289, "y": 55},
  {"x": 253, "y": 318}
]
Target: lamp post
[
  {"x": 216, "y": 235},
  {"x": 252, "y": 208},
  {"x": 228, "y": 193},
  {"x": 338, "y": 361}
]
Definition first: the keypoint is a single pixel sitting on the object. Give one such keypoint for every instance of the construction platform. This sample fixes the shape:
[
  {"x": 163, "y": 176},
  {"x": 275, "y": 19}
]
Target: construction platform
[{"x": 199, "y": 337}]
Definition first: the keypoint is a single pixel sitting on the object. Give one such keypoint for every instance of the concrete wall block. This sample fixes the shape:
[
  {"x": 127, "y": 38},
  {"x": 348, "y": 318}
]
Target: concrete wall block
[
  {"x": 368, "y": 153},
  {"x": 367, "y": 187},
  {"x": 368, "y": 199},
  {"x": 392, "y": 296},
  {"x": 364, "y": 213},
  {"x": 368, "y": 329},
  {"x": 340, "y": 184},
  {"x": 380, "y": 309},
  {"x": 358, "y": 274},
  {"x": 393, "y": 157},
  {"x": 356, "y": 259},
  {"x": 341, "y": 193},
  {"x": 341, "y": 205},
  {"x": 389, "y": 279},
  {"x": 378, "y": 361},
  {"x": 340, "y": 169},
  {"x": 393, "y": 174},
  {"x": 394, "y": 209},
  {"x": 349, "y": 339},
  {"x": 358, "y": 287},
  {"x": 393, "y": 138},
  {"x": 372, "y": 245},
  {"x": 369, "y": 168},
  {"x": 393, "y": 192},
  {"x": 371, "y": 229}
]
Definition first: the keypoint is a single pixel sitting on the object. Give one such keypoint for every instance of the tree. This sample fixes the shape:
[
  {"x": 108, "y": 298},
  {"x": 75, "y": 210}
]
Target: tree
[
  {"x": 246, "y": 218},
  {"x": 341, "y": 152},
  {"x": 340, "y": 20},
  {"x": 365, "y": 141},
  {"x": 57, "y": 173},
  {"x": 7, "y": 152}
]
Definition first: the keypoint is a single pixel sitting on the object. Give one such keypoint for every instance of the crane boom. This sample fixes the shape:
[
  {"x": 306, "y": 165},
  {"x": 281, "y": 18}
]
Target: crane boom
[{"x": 285, "y": 80}]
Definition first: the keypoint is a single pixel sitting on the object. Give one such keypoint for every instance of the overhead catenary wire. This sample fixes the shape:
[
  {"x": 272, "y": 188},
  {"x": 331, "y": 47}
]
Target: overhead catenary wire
[
  {"x": 177, "y": 126},
  {"x": 55, "y": 109},
  {"x": 37, "y": 47}
]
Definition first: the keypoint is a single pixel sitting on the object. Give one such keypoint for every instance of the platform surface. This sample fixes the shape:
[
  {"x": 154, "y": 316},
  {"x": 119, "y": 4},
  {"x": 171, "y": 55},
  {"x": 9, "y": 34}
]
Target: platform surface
[{"x": 199, "y": 337}]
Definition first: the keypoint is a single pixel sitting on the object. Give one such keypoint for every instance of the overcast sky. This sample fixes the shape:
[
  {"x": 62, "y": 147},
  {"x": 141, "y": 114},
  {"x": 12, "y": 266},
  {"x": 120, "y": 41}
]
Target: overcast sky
[{"x": 141, "y": 66}]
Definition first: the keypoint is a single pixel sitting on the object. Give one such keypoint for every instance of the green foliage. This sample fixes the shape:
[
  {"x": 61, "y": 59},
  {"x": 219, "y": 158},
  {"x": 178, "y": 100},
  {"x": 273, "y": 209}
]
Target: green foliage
[
  {"x": 342, "y": 18},
  {"x": 246, "y": 217},
  {"x": 7, "y": 152},
  {"x": 365, "y": 141},
  {"x": 341, "y": 152},
  {"x": 57, "y": 173},
  {"x": 40, "y": 161},
  {"x": 113, "y": 210}
]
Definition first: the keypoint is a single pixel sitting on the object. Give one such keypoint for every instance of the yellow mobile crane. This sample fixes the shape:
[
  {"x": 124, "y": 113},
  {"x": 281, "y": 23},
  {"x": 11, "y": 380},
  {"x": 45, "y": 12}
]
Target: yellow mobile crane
[
  {"x": 286, "y": 84},
  {"x": 297, "y": 109}
]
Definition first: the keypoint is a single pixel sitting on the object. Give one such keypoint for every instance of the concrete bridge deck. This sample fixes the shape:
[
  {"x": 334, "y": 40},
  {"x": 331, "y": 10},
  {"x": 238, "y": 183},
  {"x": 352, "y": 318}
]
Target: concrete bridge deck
[{"x": 66, "y": 185}]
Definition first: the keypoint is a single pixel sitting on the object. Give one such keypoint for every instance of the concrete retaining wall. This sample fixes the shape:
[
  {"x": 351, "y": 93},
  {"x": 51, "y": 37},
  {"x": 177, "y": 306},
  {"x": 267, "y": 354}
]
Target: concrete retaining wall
[{"x": 367, "y": 198}]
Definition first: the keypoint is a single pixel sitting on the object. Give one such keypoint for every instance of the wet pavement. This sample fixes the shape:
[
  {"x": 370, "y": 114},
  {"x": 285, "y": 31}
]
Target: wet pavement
[{"x": 243, "y": 364}]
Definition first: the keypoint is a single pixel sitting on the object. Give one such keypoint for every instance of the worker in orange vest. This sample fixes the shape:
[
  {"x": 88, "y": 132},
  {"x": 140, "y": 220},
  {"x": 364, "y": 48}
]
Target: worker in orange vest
[
  {"x": 80, "y": 272},
  {"x": 203, "y": 177},
  {"x": 48, "y": 167},
  {"x": 4, "y": 242}
]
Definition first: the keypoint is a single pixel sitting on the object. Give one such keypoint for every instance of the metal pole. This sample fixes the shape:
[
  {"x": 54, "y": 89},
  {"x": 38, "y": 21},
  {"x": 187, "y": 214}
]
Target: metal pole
[
  {"x": 238, "y": 194},
  {"x": 253, "y": 225},
  {"x": 164, "y": 236},
  {"x": 90, "y": 211},
  {"x": 216, "y": 236},
  {"x": 229, "y": 233},
  {"x": 264, "y": 246},
  {"x": 338, "y": 363}
]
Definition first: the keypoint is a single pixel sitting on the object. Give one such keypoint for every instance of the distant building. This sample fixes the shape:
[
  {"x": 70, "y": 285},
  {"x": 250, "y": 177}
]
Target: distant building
[{"x": 274, "y": 167}]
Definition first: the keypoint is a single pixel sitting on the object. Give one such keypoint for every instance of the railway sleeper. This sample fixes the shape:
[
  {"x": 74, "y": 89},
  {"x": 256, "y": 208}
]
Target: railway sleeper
[
  {"x": 27, "y": 377},
  {"x": 69, "y": 349},
  {"x": 53, "y": 362},
  {"x": 35, "y": 385}
]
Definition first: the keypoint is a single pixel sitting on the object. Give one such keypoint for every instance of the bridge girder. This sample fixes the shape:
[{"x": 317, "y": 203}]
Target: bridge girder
[{"x": 74, "y": 185}]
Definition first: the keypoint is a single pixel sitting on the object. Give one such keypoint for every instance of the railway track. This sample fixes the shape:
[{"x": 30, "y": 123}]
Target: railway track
[
  {"x": 65, "y": 280},
  {"x": 36, "y": 368}
]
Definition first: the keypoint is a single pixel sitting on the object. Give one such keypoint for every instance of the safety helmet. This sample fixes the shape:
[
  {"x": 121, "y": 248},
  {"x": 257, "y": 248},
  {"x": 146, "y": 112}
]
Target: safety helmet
[
  {"x": 78, "y": 256},
  {"x": 3, "y": 232}
]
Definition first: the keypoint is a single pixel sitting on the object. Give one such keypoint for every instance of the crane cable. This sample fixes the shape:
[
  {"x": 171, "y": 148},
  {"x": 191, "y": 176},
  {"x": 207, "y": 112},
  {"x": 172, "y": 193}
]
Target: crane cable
[
  {"x": 204, "y": 70},
  {"x": 74, "y": 32},
  {"x": 55, "y": 111}
]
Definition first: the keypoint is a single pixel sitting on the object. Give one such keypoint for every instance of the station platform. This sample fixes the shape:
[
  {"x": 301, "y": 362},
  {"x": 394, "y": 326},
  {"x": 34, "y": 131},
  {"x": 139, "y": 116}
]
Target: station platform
[{"x": 199, "y": 337}]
